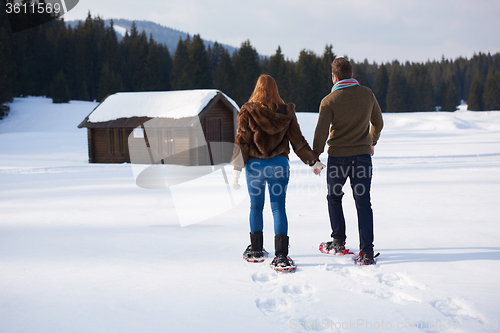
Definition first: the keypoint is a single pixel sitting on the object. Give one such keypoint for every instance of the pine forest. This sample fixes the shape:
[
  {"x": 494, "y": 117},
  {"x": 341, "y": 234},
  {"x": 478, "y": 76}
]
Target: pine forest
[{"x": 88, "y": 62}]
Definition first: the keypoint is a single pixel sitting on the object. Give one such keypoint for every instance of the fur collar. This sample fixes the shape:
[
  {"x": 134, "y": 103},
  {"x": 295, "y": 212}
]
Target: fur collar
[{"x": 269, "y": 121}]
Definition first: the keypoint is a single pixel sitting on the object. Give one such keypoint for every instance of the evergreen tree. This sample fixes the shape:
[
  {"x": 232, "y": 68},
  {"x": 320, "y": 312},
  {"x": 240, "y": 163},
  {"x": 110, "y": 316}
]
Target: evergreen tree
[
  {"x": 88, "y": 57},
  {"x": 59, "y": 91},
  {"x": 309, "y": 88},
  {"x": 359, "y": 74},
  {"x": 450, "y": 92},
  {"x": 475, "y": 101},
  {"x": 397, "y": 93},
  {"x": 477, "y": 66},
  {"x": 371, "y": 71},
  {"x": 68, "y": 65},
  {"x": 181, "y": 65},
  {"x": 247, "y": 68},
  {"x": 491, "y": 95},
  {"x": 277, "y": 68},
  {"x": 225, "y": 75},
  {"x": 381, "y": 85},
  {"x": 135, "y": 63},
  {"x": 7, "y": 62},
  {"x": 200, "y": 68},
  {"x": 214, "y": 56},
  {"x": 155, "y": 68},
  {"x": 167, "y": 67},
  {"x": 110, "y": 48},
  {"x": 109, "y": 83},
  {"x": 420, "y": 92},
  {"x": 289, "y": 89},
  {"x": 64, "y": 56},
  {"x": 6, "y": 71},
  {"x": 325, "y": 71}
]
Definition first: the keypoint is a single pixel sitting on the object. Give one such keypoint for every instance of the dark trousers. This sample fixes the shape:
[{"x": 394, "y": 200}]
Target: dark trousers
[{"x": 359, "y": 170}]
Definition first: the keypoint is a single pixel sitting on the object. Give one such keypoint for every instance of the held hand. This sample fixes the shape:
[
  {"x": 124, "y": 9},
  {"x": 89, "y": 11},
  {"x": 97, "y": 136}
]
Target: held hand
[
  {"x": 234, "y": 181},
  {"x": 317, "y": 167}
]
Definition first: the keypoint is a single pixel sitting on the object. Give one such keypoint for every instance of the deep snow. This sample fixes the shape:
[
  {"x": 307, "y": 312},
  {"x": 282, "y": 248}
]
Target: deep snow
[{"x": 83, "y": 249}]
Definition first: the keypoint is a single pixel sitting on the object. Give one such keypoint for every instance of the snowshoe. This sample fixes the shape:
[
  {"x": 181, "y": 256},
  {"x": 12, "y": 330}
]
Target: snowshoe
[
  {"x": 334, "y": 247},
  {"x": 283, "y": 263},
  {"x": 254, "y": 256},
  {"x": 365, "y": 259}
]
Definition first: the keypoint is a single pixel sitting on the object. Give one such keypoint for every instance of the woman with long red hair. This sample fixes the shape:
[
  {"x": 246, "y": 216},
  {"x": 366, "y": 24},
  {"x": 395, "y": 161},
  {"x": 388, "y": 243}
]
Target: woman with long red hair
[{"x": 266, "y": 127}]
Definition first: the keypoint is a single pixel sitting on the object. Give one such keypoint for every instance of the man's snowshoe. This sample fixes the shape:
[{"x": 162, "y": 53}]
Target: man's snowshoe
[
  {"x": 365, "y": 259},
  {"x": 283, "y": 263},
  {"x": 335, "y": 247}
]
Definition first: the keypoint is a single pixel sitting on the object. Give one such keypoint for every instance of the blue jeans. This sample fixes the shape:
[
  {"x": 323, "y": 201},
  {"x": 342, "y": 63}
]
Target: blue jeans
[
  {"x": 359, "y": 170},
  {"x": 276, "y": 173}
]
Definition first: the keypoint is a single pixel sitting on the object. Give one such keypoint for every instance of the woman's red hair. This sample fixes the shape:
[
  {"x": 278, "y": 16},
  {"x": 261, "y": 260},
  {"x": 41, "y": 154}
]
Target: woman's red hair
[{"x": 266, "y": 93}]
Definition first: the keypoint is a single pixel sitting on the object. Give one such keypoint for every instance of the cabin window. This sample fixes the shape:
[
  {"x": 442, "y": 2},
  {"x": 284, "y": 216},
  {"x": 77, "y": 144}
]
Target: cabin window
[
  {"x": 119, "y": 140},
  {"x": 138, "y": 133},
  {"x": 111, "y": 141},
  {"x": 168, "y": 142},
  {"x": 115, "y": 141}
]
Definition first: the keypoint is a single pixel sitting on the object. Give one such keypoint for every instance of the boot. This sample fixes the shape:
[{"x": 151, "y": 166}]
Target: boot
[
  {"x": 281, "y": 244},
  {"x": 335, "y": 247},
  {"x": 257, "y": 241},
  {"x": 366, "y": 258},
  {"x": 282, "y": 262},
  {"x": 255, "y": 252}
]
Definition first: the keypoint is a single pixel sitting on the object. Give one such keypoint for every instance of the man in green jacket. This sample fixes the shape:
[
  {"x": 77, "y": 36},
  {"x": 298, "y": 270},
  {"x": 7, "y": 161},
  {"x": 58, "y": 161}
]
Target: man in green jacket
[{"x": 344, "y": 124}]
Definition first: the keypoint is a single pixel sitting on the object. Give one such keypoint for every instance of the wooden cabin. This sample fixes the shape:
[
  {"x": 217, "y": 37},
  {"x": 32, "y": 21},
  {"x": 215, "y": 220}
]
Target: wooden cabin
[{"x": 188, "y": 127}]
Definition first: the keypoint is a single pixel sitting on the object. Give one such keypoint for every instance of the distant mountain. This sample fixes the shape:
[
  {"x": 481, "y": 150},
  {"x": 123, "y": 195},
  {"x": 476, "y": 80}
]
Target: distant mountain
[{"x": 161, "y": 34}]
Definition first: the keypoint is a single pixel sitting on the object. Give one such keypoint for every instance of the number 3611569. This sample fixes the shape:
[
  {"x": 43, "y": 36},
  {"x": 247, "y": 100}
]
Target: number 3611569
[{"x": 40, "y": 8}]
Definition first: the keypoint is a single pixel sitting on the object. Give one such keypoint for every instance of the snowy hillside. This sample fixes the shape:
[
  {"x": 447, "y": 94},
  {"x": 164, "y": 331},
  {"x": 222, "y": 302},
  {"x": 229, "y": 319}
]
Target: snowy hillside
[
  {"x": 83, "y": 249},
  {"x": 161, "y": 34}
]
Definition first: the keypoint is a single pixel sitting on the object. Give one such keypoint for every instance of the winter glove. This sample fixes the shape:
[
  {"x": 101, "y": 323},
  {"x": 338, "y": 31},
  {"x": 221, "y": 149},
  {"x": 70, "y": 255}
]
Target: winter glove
[
  {"x": 317, "y": 167},
  {"x": 234, "y": 181}
]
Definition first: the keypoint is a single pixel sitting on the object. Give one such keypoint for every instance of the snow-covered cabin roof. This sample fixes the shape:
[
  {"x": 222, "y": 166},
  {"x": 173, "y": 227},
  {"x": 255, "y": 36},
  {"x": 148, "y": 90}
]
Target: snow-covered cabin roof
[{"x": 156, "y": 104}]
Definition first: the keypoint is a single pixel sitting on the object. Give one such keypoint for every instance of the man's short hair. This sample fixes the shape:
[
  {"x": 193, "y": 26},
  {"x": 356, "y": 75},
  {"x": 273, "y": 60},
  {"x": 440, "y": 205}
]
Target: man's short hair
[{"x": 342, "y": 68}]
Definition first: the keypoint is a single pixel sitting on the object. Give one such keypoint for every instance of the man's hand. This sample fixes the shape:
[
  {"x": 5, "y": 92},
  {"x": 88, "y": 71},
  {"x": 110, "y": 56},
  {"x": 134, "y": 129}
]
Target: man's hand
[
  {"x": 373, "y": 150},
  {"x": 317, "y": 167}
]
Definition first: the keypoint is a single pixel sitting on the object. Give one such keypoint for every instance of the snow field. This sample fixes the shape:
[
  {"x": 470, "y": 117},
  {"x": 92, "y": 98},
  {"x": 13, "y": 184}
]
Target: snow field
[{"x": 83, "y": 249}]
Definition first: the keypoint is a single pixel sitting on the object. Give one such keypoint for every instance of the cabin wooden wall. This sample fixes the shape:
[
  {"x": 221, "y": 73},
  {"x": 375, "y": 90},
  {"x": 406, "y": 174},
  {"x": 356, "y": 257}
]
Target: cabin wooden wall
[
  {"x": 166, "y": 145},
  {"x": 220, "y": 152},
  {"x": 221, "y": 110},
  {"x": 108, "y": 145}
]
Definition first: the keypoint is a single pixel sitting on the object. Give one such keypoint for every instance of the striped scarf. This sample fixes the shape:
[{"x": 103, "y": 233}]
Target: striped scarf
[{"x": 344, "y": 84}]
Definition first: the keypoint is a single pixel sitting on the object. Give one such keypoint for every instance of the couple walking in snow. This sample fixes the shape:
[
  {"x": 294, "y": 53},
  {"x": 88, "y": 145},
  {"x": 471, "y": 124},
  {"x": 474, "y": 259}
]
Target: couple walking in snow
[{"x": 266, "y": 127}]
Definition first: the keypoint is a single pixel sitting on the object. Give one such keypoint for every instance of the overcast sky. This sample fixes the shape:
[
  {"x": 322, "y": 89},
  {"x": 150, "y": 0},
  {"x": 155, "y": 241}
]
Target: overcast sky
[{"x": 377, "y": 30}]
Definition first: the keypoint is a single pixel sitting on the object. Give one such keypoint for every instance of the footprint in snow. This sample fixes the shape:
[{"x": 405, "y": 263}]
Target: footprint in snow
[
  {"x": 263, "y": 277},
  {"x": 281, "y": 295},
  {"x": 456, "y": 308},
  {"x": 399, "y": 280},
  {"x": 272, "y": 305},
  {"x": 395, "y": 287}
]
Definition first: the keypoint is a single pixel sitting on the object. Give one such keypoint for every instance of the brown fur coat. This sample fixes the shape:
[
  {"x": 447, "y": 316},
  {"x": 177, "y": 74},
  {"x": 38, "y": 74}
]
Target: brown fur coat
[{"x": 263, "y": 133}]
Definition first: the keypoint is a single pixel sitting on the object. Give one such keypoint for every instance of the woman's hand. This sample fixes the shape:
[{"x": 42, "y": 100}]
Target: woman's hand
[
  {"x": 234, "y": 181},
  {"x": 317, "y": 167}
]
